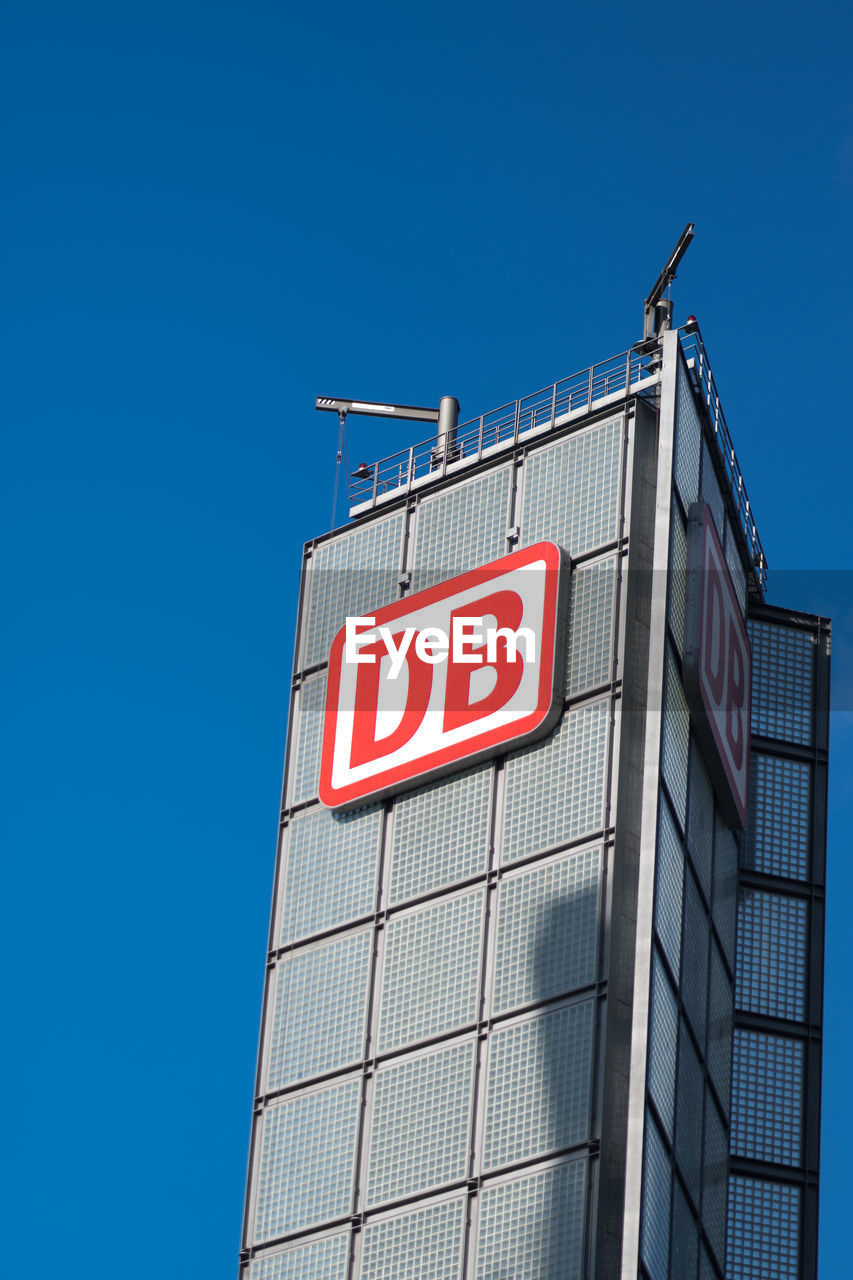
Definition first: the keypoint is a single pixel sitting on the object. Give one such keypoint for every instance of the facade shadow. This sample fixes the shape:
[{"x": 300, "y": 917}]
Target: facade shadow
[{"x": 533, "y": 1224}]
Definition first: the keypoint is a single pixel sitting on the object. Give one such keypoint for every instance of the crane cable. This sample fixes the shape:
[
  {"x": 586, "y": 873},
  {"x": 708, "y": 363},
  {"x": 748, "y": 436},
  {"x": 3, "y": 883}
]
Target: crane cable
[{"x": 341, "y": 435}]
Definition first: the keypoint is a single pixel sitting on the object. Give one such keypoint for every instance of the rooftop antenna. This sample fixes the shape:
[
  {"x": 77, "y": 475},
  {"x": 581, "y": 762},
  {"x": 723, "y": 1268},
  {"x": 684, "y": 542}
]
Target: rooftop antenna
[
  {"x": 446, "y": 416},
  {"x": 657, "y": 310}
]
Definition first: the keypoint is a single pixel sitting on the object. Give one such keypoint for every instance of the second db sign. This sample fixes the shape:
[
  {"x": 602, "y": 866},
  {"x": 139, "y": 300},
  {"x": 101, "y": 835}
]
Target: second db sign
[{"x": 717, "y": 666}]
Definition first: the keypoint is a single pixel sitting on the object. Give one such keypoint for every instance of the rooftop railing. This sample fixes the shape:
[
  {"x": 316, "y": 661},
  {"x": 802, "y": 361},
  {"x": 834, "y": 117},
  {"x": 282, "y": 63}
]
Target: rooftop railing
[
  {"x": 703, "y": 381},
  {"x": 541, "y": 411},
  {"x": 552, "y": 407}
]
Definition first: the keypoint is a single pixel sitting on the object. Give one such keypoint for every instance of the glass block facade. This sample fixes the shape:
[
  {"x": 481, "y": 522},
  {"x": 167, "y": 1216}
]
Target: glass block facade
[
  {"x": 683, "y": 1218},
  {"x": 436, "y": 976},
  {"x": 733, "y": 1063},
  {"x": 458, "y": 977},
  {"x": 774, "y": 1138}
]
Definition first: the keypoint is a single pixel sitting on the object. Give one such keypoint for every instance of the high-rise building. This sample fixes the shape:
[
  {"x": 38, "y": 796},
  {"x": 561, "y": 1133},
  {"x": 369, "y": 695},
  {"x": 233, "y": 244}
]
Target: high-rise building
[{"x": 547, "y": 1005}]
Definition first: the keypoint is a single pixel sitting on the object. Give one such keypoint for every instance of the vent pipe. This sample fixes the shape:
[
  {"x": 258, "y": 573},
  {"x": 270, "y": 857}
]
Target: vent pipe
[{"x": 448, "y": 417}]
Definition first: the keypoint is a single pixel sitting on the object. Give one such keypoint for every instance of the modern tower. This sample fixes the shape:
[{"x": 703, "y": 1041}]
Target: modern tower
[{"x": 551, "y": 1010}]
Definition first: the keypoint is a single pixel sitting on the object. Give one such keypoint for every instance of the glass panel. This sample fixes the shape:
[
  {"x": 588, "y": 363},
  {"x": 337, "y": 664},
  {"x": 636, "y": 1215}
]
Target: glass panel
[
  {"x": 431, "y": 970},
  {"x": 420, "y": 1132},
  {"x": 767, "y": 1097},
  {"x": 694, "y": 977},
  {"x": 677, "y": 575},
  {"x": 308, "y": 743},
  {"x": 735, "y": 564},
  {"x": 688, "y": 440},
  {"x": 424, "y": 1245},
  {"x": 590, "y": 657},
  {"x": 676, "y": 740},
  {"x": 711, "y": 492},
  {"x": 571, "y": 490},
  {"x": 349, "y": 577},
  {"x": 441, "y": 834},
  {"x": 663, "y": 1040},
  {"x": 715, "y": 1179},
  {"x": 537, "y": 1094},
  {"x": 771, "y": 970},
  {"x": 707, "y": 1270},
  {"x": 329, "y": 864},
  {"x": 669, "y": 892},
  {"x": 555, "y": 789},
  {"x": 700, "y": 837},
  {"x": 685, "y": 1237},
  {"x": 782, "y": 682},
  {"x": 720, "y": 1013},
  {"x": 532, "y": 1227},
  {"x": 320, "y": 1009},
  {"x": 725, "y": 887},
  {"x": 763, "y": 1231},
  {"x": 461, "y": 528},
  {"x": 688, "y": 1124},
  {"x": 657, "y": 1176},
  {"x": 778, "y": 836},
  {"x": 325, "y": 1259},
  {"x": 547, "y": 930},
  {"x": 305, "y": 1175}
]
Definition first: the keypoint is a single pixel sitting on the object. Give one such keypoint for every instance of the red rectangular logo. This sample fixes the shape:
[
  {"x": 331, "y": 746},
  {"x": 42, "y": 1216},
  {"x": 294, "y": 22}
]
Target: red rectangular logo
[
  {"x": 445, "y": 677},
  {"x": 717, "y": 666}
]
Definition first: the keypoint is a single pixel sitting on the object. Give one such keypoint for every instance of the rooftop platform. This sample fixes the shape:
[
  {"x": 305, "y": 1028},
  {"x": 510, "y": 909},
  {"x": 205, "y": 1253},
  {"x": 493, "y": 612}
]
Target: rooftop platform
[{"x": 598, "y": 387}]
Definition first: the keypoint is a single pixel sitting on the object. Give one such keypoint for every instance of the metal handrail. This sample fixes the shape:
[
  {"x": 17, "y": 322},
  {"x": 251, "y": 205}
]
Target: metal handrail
[
  {"x": 552, "y": 406},
  {"x": 694, "y": 350},
  {"x": 504, "y": 426}
]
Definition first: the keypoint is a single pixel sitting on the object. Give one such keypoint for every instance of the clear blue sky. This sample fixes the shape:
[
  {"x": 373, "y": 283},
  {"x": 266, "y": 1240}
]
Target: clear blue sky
[{"x": 211, "y": 214}]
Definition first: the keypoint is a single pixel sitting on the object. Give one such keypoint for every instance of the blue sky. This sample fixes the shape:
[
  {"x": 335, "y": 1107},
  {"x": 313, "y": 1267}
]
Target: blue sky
[{"x": 213, "y": 213}]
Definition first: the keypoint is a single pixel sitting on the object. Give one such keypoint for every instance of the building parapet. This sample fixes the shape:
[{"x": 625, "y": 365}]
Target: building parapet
[{"x": 597, "y": 387}]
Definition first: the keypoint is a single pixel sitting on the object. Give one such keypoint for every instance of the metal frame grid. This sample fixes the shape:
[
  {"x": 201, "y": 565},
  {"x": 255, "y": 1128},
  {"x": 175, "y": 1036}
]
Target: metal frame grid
[
  {"x": 494, "y": 434},
  {"x": 775, "y": 1139},
  {"x": 773, "y": 1095},
  {"x": 559, "y": 884},
  {"x": 692, "y": 999},
  {"x": 545, "y": 411},
  {"x": 775, "y": 1089},
  {"x": 496, "y": 960}
]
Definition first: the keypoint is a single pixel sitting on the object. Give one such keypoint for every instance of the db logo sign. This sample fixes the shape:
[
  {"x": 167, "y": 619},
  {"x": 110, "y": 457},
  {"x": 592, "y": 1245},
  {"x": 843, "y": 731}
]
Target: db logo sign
[
  {"x": 445, "y": 677},
  {"x": 717, "y": 666}
]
